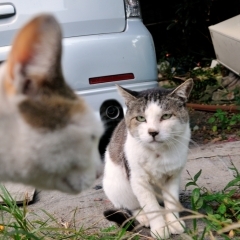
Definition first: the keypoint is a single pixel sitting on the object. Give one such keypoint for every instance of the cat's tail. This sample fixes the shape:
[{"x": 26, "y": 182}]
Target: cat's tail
[{"x": 122, "y": 217}]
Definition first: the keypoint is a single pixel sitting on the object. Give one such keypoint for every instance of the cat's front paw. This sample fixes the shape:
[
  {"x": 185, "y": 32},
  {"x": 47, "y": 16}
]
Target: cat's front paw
[
  {"x": 143, "y": 220},
  {"x": 160, "y": 232},
  {"x": 141, "y": 217},
  {"x": 176, "y": 227}
]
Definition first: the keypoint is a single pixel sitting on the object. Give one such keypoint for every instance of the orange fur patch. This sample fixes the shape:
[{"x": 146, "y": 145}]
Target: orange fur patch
[
  {"x": 9, "y": 88},
  {"x": 23, "y": 45}
]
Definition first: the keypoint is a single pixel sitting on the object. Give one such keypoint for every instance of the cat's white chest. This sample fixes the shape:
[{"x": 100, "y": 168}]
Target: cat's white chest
[{"x": 158, "y": 163}]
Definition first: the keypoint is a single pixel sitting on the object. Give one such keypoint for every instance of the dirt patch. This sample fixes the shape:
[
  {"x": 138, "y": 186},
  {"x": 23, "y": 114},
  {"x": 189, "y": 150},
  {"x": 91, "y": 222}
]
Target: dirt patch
[{"x": 202, "y": 132}]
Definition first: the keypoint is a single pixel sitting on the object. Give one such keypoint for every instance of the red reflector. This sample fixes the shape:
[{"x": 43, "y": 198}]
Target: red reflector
[{"x": 111, "y": 78}]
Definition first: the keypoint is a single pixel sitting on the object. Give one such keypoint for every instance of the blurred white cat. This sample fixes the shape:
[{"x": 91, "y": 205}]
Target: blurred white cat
[{"x": 48, "y": 135}]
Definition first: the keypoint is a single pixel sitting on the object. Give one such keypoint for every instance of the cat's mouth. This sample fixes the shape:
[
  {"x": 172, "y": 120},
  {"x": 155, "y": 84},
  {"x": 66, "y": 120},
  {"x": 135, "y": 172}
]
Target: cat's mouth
[{"x": 156, "y": 141}]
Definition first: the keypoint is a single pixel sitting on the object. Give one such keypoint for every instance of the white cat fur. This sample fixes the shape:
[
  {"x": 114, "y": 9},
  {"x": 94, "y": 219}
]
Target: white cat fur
[
  {"x": 154, "y": 163},
  {"x": 64, "y": 159}
]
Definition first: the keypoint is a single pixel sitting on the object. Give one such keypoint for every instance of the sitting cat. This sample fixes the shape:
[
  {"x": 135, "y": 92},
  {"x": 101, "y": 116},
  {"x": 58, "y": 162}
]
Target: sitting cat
[
  {"x": 48, "y": 135},
  {"x": 147, "y": 152}
]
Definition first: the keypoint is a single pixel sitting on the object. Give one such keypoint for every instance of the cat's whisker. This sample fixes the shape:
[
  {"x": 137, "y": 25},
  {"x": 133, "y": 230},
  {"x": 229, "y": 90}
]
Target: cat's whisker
[
  {"x": 178, "y": 141},
  {"x": 180, "y": 134},
  {"x": 194, "y": 143},
  {"x": 173, "y": 138},
  {"x": 172, "y": 144},
  {"x": 191, "y": 140}
]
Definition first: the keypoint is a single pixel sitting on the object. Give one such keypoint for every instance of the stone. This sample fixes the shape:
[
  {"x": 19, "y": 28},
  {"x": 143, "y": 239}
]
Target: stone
[
  {"x": 222, "y": 95},
  {"x": 231, "y": 82},
  {"x": 195, "y": 128},
  {"x": 207, "y": 95}
]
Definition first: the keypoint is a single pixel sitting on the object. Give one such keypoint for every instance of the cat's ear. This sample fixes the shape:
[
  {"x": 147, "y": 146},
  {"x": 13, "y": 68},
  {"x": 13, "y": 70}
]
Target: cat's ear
[
  {"x": 127, "y": 94},
  {"x": 35, "y": 57},
  {"x": 183, "y": 91}
]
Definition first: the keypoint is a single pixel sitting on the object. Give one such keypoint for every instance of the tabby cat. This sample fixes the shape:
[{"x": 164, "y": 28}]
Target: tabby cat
[{"x": 145, "y": 157}]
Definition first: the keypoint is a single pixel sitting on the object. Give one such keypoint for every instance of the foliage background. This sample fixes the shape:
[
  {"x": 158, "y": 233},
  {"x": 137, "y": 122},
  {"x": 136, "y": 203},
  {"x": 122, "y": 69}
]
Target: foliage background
[{"x": 180, "y": 27}]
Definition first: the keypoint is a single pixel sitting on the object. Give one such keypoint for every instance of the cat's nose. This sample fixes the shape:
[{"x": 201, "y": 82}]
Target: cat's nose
[{"x": 153, "y": 133}]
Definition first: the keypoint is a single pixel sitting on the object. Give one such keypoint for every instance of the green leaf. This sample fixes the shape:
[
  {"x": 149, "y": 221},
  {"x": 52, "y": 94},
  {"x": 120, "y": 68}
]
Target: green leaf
[
  {"x": 197, "y": 175},
  {"x": 221, "y": 117},
  {"x": 209, "y": 209},
  {"x": 211, "y": 120},
  {"x": 232, "y": 122},
  {"x": 214, "y": 128},
  {"x": 222, "y": 209},
  {"x": 190, "y": 184},
  {"x": 233, "y": 183},
  {"x": 195, "y": 195},
  {"x": 217, "y": 216},
  {"x": 219, "y": 111},
  {"x": 199, "y": 203},
  {"x": 210, "y": 197},
  {"x": 230, "y": 193}
]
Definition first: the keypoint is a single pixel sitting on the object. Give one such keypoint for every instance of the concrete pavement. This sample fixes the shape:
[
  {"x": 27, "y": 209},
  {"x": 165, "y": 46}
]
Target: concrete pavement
[{"x": 214, "y": 160}]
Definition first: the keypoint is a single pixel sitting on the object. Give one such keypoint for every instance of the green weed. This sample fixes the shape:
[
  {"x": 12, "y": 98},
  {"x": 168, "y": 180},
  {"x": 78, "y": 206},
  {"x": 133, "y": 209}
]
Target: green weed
[
  {"x": 221, "y": 119},
  {"x": 221, "y": 209},
  {"x": 17, "y": 223}
]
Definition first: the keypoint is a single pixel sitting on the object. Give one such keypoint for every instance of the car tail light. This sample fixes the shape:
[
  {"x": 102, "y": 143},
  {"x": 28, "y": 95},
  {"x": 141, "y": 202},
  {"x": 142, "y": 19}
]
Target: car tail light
[
  {"x": 111, "y": 78},
  {"x": 132, "y": 8}
]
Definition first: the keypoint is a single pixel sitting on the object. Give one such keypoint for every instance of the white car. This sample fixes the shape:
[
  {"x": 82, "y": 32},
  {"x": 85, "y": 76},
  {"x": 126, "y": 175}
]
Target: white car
[{"x": 104, "y": 43}]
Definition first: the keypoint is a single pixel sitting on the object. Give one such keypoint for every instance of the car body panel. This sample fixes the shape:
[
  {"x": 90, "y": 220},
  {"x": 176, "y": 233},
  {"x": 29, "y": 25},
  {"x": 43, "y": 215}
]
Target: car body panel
[
  {"x": 77, "y": 17},
  {"x": 131, "y": 51}
]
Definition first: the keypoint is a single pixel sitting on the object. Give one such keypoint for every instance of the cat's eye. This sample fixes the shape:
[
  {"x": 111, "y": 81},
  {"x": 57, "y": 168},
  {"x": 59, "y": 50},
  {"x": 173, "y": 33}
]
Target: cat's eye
[
  {"x": 166, "y": 116},
  {"x": 141, "y": 119}
]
